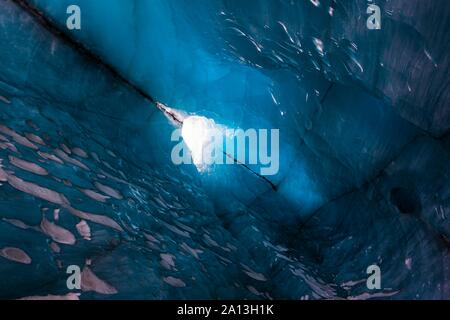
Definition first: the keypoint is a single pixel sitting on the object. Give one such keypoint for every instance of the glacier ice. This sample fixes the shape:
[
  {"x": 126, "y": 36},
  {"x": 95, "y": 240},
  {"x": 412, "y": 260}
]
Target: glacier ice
[{"x": 85, "y": 149}]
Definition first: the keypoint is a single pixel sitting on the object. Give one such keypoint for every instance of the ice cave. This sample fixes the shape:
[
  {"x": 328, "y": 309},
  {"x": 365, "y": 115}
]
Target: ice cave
[{"x": 91, "y": 92}]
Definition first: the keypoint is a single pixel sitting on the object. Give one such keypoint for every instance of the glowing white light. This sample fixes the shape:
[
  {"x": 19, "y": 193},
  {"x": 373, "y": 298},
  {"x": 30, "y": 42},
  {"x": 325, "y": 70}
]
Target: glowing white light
[{"x": 198, "y": 132}]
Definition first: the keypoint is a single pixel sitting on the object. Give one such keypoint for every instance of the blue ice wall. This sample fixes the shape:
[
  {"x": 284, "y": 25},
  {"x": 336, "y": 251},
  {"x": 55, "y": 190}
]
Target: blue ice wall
[
  {"x": 249, "y": 87},
  {"x": 364, "y": 157}
]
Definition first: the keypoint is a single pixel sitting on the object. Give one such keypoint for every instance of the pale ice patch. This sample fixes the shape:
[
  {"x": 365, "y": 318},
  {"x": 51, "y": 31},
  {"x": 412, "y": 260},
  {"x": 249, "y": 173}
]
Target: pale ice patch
[{"x": 199, "y": 134}]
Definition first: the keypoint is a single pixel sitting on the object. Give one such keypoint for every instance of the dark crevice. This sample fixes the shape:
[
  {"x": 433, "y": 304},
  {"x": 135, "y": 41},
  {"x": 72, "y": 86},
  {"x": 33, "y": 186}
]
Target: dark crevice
[
  {"x": 405, "y": 200},
  {"x": 326, "y": 92},
  {"x": 366, "y": 183},
  {"x": 52, "y": 28}
]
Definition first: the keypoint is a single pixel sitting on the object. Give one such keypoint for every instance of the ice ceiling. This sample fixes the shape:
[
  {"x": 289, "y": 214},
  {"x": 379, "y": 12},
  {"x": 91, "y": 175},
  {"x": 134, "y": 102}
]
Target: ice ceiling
[{"x": 85, "y": 152}]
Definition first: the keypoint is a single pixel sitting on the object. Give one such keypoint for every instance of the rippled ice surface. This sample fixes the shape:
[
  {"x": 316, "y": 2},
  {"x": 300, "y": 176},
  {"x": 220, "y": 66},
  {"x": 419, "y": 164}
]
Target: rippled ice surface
[{"x": 86, "y": 177}]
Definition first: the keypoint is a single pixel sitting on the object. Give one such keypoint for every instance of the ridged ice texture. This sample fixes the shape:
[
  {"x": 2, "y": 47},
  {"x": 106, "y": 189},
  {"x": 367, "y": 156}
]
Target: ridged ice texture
[{"x": 364, "y": 174}]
